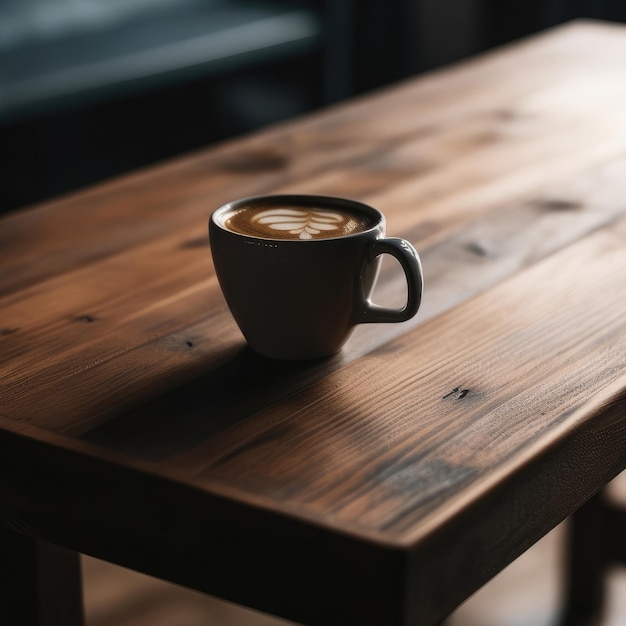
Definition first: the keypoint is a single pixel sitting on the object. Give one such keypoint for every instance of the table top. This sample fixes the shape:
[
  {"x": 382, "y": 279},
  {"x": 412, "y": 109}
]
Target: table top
[{"x": 383, "y": 485}]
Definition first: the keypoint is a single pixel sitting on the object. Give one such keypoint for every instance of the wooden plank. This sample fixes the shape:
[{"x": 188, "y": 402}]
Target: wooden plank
[
  {"x": 178, "y": 262},
  {"x": 143, "y": 320},
  {"x": 470, "y": 391}
]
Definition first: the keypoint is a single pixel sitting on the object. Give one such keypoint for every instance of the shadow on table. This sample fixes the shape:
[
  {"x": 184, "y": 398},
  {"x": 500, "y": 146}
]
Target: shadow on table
[{"x": 213, "y": 402}]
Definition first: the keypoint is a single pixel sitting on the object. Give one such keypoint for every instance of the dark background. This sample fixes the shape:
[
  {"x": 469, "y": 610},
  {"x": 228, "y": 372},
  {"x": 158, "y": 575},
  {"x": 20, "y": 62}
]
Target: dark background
[{"x": 92, "y": 88}]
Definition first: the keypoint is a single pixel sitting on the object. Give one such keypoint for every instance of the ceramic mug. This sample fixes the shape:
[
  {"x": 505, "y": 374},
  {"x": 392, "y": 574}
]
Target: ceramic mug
[{"x": 298, "y": 288}]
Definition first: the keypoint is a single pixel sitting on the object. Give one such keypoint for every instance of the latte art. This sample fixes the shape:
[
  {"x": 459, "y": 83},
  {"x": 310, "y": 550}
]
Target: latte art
[
  {"x": 296, "y": 222},
  {"x": 304, "y": 223}
]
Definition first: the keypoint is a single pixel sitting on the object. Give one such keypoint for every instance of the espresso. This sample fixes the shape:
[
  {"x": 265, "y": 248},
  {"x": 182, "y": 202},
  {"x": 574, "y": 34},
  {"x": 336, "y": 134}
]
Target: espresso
[{"x": 296, "y": 222}]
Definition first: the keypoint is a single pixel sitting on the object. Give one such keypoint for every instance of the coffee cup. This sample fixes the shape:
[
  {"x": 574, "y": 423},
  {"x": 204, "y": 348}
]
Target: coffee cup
[{"x": 297, "y": 271}]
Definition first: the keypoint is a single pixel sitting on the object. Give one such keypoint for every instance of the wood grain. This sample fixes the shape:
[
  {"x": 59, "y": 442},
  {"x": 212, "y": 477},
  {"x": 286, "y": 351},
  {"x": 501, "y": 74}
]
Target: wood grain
[
  {"x": 347, "y": 446},
  {"x": 383, "y": 485}
]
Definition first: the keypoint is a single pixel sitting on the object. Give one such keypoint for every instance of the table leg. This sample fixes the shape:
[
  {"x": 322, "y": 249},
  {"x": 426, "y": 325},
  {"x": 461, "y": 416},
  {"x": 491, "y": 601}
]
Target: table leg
[
  {"x": 40, "y": 584},
  {"x": 616, "y": 531},
  {"x": 586, "y": 560}
]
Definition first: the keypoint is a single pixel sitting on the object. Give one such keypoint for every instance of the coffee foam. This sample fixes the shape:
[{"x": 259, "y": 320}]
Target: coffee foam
[{"x": 296, "y": 222}]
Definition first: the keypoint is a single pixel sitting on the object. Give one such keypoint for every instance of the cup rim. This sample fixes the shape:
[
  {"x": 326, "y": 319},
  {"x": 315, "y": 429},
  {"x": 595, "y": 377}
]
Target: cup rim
[{"x": 299, "y": 199}]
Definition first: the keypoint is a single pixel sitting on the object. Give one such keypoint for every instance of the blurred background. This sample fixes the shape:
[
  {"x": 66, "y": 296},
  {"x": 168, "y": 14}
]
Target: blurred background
[{"x": 93, "y": 88}]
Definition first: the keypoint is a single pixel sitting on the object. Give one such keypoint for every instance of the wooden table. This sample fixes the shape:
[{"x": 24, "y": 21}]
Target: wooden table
[{"x": 381, "y": 486}]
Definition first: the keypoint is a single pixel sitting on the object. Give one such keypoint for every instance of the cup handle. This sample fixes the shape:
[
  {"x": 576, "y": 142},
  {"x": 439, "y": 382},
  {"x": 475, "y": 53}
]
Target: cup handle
[{"x": 408, "y": 258}]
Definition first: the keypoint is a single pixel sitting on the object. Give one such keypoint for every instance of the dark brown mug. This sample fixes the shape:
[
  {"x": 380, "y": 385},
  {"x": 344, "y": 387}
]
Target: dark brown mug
[{"x": 300, "y": 297}]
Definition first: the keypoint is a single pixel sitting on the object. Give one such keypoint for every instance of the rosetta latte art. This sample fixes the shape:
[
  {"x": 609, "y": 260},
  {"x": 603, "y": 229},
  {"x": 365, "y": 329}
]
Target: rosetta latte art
[{"x": 305, "y": 223}]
